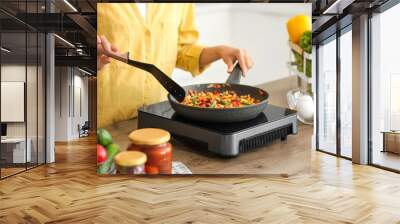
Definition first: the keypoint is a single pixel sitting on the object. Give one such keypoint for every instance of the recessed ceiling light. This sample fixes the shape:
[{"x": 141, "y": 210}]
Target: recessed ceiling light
[
  {"x": 5, "y": 50},
  {"x": 70, "y": 5},
  {"x": 338, "y": 6},
  {"x": 65, "y": 41},
  {"x": 84, "y": 71}
]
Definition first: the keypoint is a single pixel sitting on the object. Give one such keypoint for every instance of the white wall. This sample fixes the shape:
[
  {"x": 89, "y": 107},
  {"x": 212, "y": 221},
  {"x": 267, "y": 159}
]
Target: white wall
[
  {"x": 61, "y": 103},
  {"x": 80, "y": 84},
  {"x": 260, "y": 28},
  {"x": 68, "y": 84}
]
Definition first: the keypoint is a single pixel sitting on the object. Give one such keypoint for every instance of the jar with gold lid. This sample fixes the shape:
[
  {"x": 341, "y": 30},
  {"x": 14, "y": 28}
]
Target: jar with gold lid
[
  {"x": 130, "y": 162},
  {"x": 155, "y": 144}
]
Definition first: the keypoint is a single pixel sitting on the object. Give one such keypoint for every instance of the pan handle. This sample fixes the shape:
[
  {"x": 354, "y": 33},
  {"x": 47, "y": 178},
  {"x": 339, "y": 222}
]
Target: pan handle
[
  {"x": 234, "y": 77},
  {"x": 123, "y": 57}
]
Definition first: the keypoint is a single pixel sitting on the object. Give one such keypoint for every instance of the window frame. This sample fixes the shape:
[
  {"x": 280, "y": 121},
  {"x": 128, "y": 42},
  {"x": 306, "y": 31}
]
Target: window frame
[{"x": 333, "y": 37}]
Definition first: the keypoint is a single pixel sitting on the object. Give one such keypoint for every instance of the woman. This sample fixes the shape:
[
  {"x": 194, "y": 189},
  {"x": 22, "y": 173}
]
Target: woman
[{"x": 161, "y": 34}]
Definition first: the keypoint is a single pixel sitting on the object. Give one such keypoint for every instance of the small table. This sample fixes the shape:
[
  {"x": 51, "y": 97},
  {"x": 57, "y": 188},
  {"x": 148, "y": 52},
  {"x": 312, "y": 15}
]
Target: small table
[
  {"x": 16, "y": 154},
  {"x": 391, "y": 141}
]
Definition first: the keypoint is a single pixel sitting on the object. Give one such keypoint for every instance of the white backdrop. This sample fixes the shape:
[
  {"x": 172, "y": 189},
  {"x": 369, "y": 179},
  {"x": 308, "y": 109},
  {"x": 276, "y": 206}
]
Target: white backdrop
[
  {"x": 12, "y": 101},
  {"x": 260, "y": 28}
]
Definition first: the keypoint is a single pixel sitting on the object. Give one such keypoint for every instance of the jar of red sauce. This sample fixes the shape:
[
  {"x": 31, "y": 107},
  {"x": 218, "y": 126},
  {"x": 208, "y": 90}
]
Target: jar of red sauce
[
  {"x": 155, "y": 144},
  {"x": 130, "y": 162}
]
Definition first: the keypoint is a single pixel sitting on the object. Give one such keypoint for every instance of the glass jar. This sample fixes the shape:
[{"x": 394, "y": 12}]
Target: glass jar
[
  {"x": 130, "y": 162},
  {"x": 155, "y": 144}
]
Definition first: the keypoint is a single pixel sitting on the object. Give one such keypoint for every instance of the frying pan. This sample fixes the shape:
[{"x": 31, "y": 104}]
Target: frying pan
[
  {"x": 223, "y": 115},
  {"x": 217, "y": 115}
]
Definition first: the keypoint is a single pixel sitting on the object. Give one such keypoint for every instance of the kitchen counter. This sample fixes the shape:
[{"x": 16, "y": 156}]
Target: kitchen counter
[{"x": 291, "y": 156}]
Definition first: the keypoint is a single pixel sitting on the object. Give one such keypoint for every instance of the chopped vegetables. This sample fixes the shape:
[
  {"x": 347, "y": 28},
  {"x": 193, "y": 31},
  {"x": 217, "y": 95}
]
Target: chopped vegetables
[{"x": 216, "y": 99}]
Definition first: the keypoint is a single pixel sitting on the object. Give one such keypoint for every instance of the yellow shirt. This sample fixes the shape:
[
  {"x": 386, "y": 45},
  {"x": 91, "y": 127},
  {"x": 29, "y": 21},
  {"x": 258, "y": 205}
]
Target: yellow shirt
[{"x": 166, "y": 38}]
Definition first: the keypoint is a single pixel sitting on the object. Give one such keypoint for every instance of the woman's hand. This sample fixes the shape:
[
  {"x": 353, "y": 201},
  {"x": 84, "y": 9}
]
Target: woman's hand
[
  {"x": 103, "y": 46},
  {"x": 229, "y": 55}
]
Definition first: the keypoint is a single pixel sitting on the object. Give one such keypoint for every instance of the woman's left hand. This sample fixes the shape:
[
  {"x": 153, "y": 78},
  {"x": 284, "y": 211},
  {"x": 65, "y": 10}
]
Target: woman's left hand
[{"x": 229, "y": 55}]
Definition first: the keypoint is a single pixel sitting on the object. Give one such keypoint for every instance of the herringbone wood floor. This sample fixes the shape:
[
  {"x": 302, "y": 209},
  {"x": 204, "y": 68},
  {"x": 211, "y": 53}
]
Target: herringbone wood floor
[{"x": 69, "y": 191}]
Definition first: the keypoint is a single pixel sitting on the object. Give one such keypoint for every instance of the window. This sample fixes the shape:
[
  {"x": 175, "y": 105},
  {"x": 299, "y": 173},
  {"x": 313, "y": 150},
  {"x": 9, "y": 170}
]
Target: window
[
  {"x": 326, "y": 96},
  {"x": 346, "y": 92},
  {"x": 385, "y": 89},
  {"x": 22, "y": 76},
  {"x": 334, "y": 106}
]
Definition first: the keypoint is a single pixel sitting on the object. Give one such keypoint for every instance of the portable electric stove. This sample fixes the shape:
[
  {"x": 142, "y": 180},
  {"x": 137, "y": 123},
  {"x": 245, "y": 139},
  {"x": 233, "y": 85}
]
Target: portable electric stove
[{"x": 226, "y": 139}]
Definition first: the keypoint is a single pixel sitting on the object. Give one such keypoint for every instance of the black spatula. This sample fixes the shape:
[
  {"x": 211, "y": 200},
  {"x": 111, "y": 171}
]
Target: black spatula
[
  {"x": 170, "y": 85},
  {"x": 236, "y": 74}
]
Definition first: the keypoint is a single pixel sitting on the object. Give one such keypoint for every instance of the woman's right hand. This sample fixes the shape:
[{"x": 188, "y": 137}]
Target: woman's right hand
[{"x": 104, "y": 46}]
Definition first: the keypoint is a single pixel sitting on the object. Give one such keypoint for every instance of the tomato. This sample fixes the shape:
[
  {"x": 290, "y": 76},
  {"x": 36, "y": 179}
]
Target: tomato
[
  {"x": 236, "y": 103},
  {"x": 101, "y": 154},
  {"x": 151, "y": 169}
]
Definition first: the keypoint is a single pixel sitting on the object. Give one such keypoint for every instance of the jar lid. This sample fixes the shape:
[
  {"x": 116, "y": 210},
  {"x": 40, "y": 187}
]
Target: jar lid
[
  {"x": 149, "y": 136},
  {"x": 130, "y": 158}
]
